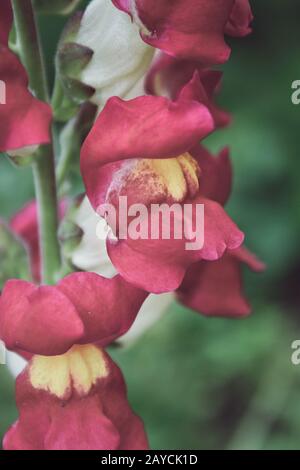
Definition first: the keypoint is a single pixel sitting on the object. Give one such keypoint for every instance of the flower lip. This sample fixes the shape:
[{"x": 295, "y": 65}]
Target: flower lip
[
  {"x": 143, "y": 128},
  {"x": 31, "y": 320},
  {"x": 77, "y": 370},
  {"x": 152, "y": 181},
  {"x": 78, "y": 402}
]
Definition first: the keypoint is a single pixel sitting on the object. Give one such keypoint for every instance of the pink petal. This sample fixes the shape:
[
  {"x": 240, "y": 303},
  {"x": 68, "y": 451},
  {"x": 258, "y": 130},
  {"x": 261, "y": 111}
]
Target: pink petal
[
  {"x": 146, "y": 127},
  {"x": 107, "y": 307},
  {"x": 39, "y": 320},
  {"x": 24, "y": 120},
  {"x": 216, "y": 289},
  {"x": 159, "y": 265},
  {"x": 216, "y": 174}
]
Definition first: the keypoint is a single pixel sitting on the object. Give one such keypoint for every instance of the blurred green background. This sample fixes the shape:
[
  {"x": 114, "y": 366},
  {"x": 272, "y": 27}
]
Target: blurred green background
[{"x": 203, "y": 383}]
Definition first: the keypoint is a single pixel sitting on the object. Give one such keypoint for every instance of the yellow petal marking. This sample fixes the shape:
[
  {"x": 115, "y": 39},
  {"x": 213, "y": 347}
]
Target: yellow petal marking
[
  {"x": 78, "y": 369},
  {"x": 180, "y": 175}
]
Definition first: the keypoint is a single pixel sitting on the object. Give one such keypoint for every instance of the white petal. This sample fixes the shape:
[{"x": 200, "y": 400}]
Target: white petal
[
  {"x": 120, "y": 59},
  {"x": 153, "y": 309},
  {"x": 91, "y": 254},
  {"x": 15, "y": 363}
]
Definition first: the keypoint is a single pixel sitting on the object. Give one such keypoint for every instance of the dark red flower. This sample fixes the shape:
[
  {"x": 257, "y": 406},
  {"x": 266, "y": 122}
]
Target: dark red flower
[
  {"x": 190, "y": 29},
  {"x": 146, "y": 149},
  {"x": 240, "y": 19},
  {"x": 77, "y": 401},
  {"x": 169, "y": 76}
]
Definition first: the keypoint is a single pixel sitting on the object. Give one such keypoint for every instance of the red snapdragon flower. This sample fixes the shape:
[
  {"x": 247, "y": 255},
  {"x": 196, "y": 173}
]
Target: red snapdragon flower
[
  {"x": 82, "y": 308},
  {"x": 71, "y": 395},
  {"x": 76, "y": 401},
  {"x": 146, "y": 149},
  {"x": 169, "y": 76},
  {"x": 24, "y": 120},
  {"x": 190, "y": 28}
]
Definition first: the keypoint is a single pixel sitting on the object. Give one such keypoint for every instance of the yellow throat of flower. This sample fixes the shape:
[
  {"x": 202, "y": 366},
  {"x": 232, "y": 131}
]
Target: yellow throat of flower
[
  {"x": 180, "y": 175},
  {"x": 78, "y": 369}
]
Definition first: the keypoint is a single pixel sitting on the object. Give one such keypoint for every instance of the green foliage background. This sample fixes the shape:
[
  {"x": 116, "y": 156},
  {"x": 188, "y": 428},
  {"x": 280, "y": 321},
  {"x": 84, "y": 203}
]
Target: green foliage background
[{"x": 205, "y": 383}]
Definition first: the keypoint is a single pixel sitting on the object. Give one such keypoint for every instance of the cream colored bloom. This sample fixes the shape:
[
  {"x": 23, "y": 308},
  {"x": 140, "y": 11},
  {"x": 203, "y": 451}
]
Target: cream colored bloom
[{"x": 120, "y": 57}]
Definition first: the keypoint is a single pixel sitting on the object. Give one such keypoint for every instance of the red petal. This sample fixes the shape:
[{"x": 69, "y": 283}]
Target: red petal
[
  {"x": 40, "y": 320},
  {"x": 159, "y": 265},
  {"x": 24, "y": 120},
  {"x": 107, "y": 307},
  {"x": 146, "y": 127},
  {"x": 216, "y": 289}
]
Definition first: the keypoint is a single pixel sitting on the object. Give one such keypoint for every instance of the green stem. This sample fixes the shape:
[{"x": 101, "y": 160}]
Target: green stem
[
  {"x": 58, "y": 94},
  {"x": 44, "y": 167},
  {"x": 45, "y": 188},
  {"x": 70, "y": 148},
  {"x": 30, "y": 48}
]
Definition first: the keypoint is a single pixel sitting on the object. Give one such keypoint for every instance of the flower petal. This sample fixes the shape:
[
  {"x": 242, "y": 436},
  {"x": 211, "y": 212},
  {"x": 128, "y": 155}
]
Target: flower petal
[
  {"x": 120, "y": 56},
  {"x": 24, "y": 120},
  {"x": 100, "y": 420},
  {"x": 216, "y": 174},
  {"x": 107, "y": 307},
  {"x": 189, "y": 80},
  {"x": 194, "y": 31},
  {"x": 240, "y": 19},
  {"x": 145, "y": 127},
  {"x": 159, "y": 265},
  {"x": 37, "y": 319},
  {"x": 216, "y": 289}
]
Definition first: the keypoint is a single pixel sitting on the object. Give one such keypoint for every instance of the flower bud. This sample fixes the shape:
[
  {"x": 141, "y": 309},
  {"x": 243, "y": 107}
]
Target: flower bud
[{"x": 71, "y": 59}]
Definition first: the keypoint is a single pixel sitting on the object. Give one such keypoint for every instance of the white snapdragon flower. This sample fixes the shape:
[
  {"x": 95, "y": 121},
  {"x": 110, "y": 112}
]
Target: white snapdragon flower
[
  {"x": 91, "y": 255},
  {"x": 120, "y": 59}
]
